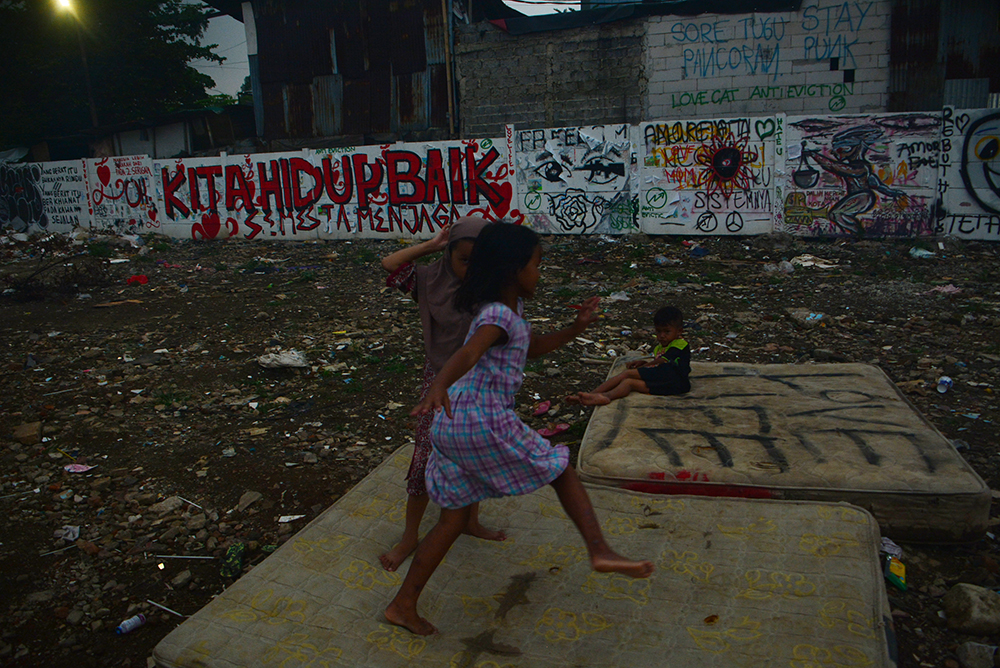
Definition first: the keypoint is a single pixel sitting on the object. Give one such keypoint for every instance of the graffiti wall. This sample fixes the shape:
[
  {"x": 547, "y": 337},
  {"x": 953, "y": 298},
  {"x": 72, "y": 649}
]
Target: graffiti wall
[
  {"x": 828, "y": 57},
  {"x": 969, "y": 179},
  {"x": 370, "y": 191},
  {"x": 708, "y": 177},
  {"x": 863, "y": 176},
  {"x": 120, "y": 195},
  {"x": 577, "y": 180}
]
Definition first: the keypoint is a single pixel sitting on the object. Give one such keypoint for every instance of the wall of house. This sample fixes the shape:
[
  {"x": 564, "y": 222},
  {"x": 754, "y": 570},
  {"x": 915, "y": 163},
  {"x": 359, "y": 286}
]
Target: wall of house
[
  {"x": 162, "y": 141},
  {"x": 584, "y": 76},
  {"x": 828, "y": 57},
  {"x": 905, "y": 175}
]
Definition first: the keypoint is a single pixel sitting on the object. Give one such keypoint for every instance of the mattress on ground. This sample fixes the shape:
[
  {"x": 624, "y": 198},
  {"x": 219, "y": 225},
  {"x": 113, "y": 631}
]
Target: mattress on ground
[
  {"x": 829, "y": 432},
  {"x": 739, "y": 582}
]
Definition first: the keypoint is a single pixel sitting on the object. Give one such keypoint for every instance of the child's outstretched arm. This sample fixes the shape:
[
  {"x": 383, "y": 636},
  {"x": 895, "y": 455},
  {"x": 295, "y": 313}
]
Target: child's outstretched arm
[
  {"x": 396, "y": 260},
  {"x": 546, "y": 343},
  {"x": 457, "y": 366}
]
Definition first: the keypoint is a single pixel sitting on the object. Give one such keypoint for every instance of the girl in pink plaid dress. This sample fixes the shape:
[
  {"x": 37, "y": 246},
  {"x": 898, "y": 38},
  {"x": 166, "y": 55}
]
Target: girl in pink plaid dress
[
  {"x": 433, "y": 287},
  {"x": 481, "y": 448}
]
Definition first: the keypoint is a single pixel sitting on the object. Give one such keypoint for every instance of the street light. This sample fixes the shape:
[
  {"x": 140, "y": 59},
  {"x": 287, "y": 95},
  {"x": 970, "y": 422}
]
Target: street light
[{"x": 67, "y": 6}]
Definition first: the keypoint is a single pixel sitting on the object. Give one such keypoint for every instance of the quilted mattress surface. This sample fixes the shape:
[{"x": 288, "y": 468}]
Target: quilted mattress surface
[
  {"x": 789, "y": 431},
  {"x": 739, "y": 582}
]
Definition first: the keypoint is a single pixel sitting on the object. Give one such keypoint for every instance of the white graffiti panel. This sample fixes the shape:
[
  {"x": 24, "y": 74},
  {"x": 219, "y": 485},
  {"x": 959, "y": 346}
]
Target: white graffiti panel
[
  {"x": 969, "y": 183},
  {"x": 577, "y": 180},
  {"x": 709, "y": 176},
  {"x": 120, "y": 194}
]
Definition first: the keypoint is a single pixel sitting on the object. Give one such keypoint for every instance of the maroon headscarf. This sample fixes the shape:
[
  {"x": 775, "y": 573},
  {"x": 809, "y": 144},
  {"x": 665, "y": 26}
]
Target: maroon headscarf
[{"x": 445, "y": 327}]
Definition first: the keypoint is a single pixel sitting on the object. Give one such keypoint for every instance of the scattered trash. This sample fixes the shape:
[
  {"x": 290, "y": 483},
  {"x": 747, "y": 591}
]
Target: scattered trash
[
  {"x": 232, "y": 563},
  {"x": 542, "y": 408},
  {"x": 78, "y": 468},
  {"x": 620, "y": 296},
  {"x": 920, "y": 253},
  {"x": 960, "y": 445},
  {"x": 141, "y": 279},
  {"x": 813, "y": 261},
  {"x": 699, "y": 251},
  {"x": 784, "y": 267},
  {"x": 130, "y": 624},
  {"x": 895, "y": 572},
  {"x": 68, "y": 532},
  {"x": 944, "y": 384},
  {"x": 946, "y": 289},
  {"x": 163, "y": 607},
  {"x": 553, "y": 430},
  {"x": 286, "y": 358},
  {"x": 890, "y": 547},
  {"x": 284, "y": 519}
]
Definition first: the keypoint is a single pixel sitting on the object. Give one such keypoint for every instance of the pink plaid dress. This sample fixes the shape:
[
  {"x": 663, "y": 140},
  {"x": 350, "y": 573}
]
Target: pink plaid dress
[{"x": 485, "y": 451}]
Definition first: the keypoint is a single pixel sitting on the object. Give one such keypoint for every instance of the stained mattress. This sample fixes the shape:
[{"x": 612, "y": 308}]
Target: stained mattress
[
  {"x": 828, "y": 432},
  {"x": 739, "y": 582}
]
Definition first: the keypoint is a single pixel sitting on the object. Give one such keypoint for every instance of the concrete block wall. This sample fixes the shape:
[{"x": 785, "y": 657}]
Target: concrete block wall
[
  {"x": 583, "y": 76},
  {"x": 828, "y": 57}
]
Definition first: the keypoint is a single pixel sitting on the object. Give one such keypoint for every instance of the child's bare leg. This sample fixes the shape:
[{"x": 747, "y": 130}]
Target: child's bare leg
[
  {"x": 623, "y": 389},
  {"x": 615, "y": 381},
  {"x": 402, "y": 610},
  {"x": 474, "y": 528},
  {"x": 415, "y": 507},
  {"x": 577, "y": 504}
]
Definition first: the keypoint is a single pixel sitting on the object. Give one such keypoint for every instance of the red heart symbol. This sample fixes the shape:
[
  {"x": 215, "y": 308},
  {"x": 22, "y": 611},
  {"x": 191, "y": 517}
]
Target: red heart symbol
[
  {"x": 210, "y": 225},
  {"x": 506, "y": 191},
  {"x": 104, "y": 174}
]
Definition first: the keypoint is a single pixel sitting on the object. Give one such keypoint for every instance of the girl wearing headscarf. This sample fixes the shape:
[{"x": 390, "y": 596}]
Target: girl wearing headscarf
[{"x": 433, "y": 287}]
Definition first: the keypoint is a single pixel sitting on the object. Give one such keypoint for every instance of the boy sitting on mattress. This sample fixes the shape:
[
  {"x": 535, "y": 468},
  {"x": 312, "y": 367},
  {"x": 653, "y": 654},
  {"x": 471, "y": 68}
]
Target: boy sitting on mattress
[{"x": 668, "y": 372}]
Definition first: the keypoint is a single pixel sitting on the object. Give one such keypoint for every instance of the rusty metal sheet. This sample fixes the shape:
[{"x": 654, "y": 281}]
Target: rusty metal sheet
[
  {"x": 406, "y": 32},
  {"x": 298, "y": 110},
  {"x": 357, "y": 104},
  {"x": 438, "y": 96},
  {"x": 435, "y": 33},
  {"x": 328, "y": 100},
  {"x": 411, "y": 101},
  {"x": 381, "y": 100}
]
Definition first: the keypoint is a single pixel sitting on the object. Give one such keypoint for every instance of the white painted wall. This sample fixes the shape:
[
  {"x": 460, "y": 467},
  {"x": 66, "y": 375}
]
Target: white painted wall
[{"x": 715, "y": 65}]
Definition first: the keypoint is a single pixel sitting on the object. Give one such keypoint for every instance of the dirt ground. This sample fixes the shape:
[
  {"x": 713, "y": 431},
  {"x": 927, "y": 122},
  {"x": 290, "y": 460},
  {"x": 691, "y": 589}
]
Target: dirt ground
[{"x": 156, "y": 384}]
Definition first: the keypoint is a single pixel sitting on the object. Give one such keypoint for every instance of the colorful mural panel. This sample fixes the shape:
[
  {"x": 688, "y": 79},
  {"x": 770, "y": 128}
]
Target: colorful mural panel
[
  {"x": 862, "y": 176},
  {"x": 577, "y": 180},
  {"x": 969, "y": 183},
  {"x": 708, "y": 177}
]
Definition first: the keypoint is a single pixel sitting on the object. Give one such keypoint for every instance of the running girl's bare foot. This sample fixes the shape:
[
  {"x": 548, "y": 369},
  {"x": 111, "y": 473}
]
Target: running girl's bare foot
[
  {"x": 393, "y": 558},
  {"x": 593, "y": 399},
  {"x": 479, "y": 531},
  {"x": 615, "y": 563},
  {"x": 410, "y": 621},
  {"x": 573, "y": 398}
]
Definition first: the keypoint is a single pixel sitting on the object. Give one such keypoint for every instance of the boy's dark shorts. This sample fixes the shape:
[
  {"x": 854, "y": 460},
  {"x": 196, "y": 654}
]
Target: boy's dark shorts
[{"x": 663, "y": 380}]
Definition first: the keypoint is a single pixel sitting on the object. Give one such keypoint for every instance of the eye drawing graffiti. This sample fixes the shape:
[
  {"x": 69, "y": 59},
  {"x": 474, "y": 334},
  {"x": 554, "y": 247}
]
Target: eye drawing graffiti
[
  {"x": 725, "y": 164},
  {"x": 980, "y": 169},
  {"x": 551, "y": 171}
]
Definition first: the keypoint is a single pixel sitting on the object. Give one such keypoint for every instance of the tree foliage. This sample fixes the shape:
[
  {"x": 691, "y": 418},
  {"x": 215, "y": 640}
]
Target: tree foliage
[{"x": 138, "y": 55}]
